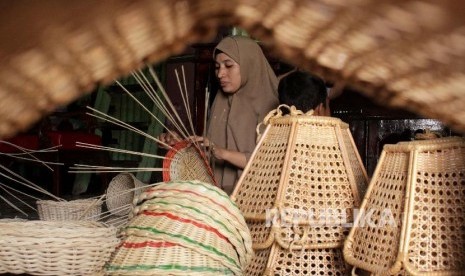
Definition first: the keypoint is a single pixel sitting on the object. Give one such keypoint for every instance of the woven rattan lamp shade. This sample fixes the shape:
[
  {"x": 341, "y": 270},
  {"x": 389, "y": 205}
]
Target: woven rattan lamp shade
[
  {"x": 302, "y": 164},
  {"x": 417, "y": 200},
  {"x": 400, "y": 53}
]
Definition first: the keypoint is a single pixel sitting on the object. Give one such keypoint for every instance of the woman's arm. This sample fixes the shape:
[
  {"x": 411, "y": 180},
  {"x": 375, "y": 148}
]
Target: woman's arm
[{"x": 236, "y": 158}]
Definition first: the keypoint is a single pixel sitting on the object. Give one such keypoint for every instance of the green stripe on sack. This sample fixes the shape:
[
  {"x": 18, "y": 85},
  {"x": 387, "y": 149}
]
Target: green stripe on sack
[
  {"x": 210, "y": 189},
  {"x": 197, "y": 211},
  {"x": 207, "y": 247},
  {"x": 224, "y": 271}
]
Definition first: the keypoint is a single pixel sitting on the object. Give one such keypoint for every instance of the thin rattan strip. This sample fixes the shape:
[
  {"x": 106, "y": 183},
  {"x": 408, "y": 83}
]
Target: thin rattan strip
[
  {"x": 79, "y": 209},
  {"x": 147, "y": 256}
]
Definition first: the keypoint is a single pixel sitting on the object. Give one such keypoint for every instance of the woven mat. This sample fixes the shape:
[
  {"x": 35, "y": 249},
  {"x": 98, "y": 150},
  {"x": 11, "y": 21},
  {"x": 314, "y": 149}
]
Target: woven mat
[{"x": 401, "y": 53}]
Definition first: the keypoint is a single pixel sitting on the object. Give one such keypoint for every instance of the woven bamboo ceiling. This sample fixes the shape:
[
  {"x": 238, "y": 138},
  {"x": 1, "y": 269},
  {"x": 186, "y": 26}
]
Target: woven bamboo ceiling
[{"x": 409, "y": 54}]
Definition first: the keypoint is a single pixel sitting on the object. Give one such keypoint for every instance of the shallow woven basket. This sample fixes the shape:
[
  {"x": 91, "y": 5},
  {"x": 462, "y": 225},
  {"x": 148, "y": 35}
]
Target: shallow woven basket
[
  {"x": 55, "y": 247},
  {"x": 184, "y": 161},
  {"x": 416, "y": 205},
  {"x": 80, "y": 209},
  {"x": 303, "y": 165},
  {"x": 121, "y": 192}
]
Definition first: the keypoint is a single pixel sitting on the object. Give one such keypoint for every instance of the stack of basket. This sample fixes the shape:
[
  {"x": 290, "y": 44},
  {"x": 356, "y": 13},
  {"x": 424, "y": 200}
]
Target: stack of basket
[
  {"x": 413, "y": 218},
  {"x": 55, "y": 247},
  {"x": 303, "y": 168},
  {"x": 183, "y": 228}
]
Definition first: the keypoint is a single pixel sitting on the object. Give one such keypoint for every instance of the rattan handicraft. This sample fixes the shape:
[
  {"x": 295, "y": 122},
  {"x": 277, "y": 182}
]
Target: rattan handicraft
[
  {"x": 79, "y": 209},
  {"x": 55, "y": 247},
  {"x": 185, "y": 161},
  {"x": 183, "y": 228},
  {"x": 412, "y": 217},
  {"x": 298, "y": 193},
  {"x": 121, "y": 192},
  {"x": 400, "y": 53}
]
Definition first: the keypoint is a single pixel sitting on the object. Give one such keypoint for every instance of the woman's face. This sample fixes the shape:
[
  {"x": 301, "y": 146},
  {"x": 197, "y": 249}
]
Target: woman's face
[{"x": 228, "y": 73}]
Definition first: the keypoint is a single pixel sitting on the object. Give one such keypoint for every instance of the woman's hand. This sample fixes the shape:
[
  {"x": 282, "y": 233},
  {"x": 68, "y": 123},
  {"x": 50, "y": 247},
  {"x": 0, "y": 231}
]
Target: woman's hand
[{"x": 235, "y": 158}]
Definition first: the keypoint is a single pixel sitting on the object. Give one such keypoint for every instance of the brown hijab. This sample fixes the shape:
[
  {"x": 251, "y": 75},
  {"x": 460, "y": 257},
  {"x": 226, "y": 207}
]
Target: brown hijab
[{"x": 234, "y": 117}]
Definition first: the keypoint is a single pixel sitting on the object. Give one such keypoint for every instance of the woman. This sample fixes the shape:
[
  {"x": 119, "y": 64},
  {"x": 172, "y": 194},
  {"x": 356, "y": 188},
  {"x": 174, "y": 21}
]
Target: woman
[{"x": 248, "y": 92}]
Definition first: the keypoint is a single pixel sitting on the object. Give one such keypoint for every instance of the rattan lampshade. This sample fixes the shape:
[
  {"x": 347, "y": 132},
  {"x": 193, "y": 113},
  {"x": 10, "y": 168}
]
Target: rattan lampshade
[
  {"x": 414, "y": 206},
  {"x": 303, "y": 165}
]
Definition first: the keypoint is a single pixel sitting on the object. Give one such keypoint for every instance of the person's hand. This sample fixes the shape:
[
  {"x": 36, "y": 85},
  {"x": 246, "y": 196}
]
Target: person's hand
[
  {"x": 168, "y": 139},
  {"x": 209, "y": 146}
]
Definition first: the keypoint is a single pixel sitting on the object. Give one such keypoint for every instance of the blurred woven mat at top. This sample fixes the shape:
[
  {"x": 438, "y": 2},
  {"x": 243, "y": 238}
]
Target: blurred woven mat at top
[{"x": 408, "y": 53}]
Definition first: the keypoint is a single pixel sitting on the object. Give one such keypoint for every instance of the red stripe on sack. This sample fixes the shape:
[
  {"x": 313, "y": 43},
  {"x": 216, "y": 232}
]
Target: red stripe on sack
[
  {"x": 148, "y": 244},
  {"x": 174, "y": 217}
]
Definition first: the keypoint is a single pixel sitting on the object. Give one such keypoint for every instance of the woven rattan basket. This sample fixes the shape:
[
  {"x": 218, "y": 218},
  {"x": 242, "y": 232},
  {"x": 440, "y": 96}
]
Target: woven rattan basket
[
  {"x": 121, "y": 192},
  {"x": 55, "y": 247},
  {"x": 80, "y": 209},
  {"x": 303, "y": 167},
  {"x": 184, "y": 219},
  {"x": 413, "y": 213},
  {"x": 184, "y": 161}
]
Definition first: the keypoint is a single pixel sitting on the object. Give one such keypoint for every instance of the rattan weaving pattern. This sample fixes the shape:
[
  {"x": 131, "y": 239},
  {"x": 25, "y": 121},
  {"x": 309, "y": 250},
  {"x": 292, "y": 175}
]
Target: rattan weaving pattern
[
  {"x": 79, "y": 209},
  {"x": 265, "y": 173},
  {"x": 191, "y": 210},
  {"x": 55, "y": 247},
  {"x": 349, "y": 43},
  {"x": 259, "y": 231},
  {"x": 437, "y": 238},
  {"x": 309, "y": 262},
  {"x": 258, "y": 264},
  {"x": 146, "y": 256},
  {"x": 187, "y": 232},
  {"x": 121, "y": 191},
  {"x": 380, "y": 250},
  {"x": 185, "y": 162},
  {"x": 355, "y": 160},
  {"x": 431, "y": 237}
]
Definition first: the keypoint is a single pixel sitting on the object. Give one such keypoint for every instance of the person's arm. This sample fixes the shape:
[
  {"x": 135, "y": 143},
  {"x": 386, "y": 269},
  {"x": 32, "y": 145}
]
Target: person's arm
[{"x": 236, "y": 158}]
